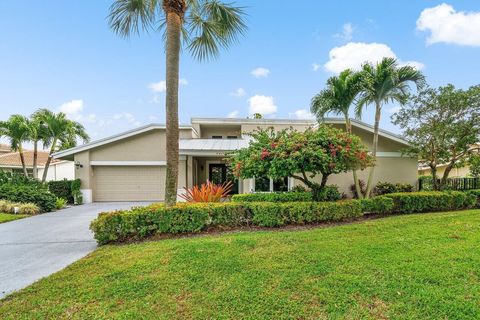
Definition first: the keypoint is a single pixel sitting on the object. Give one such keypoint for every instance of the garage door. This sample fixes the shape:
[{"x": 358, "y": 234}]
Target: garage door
[{"x": 129, "y": 183}]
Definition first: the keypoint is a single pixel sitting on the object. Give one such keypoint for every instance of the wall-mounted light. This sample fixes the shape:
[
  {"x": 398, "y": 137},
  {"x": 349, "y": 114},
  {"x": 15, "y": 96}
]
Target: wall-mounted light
[
  {"x": 78, "y": 165},
  {"x": 201, "y": 168}
]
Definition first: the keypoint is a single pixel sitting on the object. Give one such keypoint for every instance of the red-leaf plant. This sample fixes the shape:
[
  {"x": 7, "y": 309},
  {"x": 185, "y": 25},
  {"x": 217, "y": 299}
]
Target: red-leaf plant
[{"x": 207, "y": 192}]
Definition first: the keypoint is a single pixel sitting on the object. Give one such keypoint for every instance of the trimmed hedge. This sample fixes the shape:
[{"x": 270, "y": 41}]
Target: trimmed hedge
[
  {"x": 431, "y": 201},
  {"x": 273, "y": 197},
  {"x": 189, "y": 218},
  {"x": 379, "y": 205},
  {"x": 476, "y": 194},
  {"x": 65, "y": 189},
  {"x": 27, "y": 194},
  {"x": 329, "y": 193}
]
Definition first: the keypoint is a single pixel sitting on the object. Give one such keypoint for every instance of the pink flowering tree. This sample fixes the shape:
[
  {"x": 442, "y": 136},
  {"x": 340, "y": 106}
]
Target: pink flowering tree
[{"x": 322, "y": 151}]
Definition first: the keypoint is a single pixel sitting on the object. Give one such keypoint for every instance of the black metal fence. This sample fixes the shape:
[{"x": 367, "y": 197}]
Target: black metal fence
[{"x": 452, "y": 184}]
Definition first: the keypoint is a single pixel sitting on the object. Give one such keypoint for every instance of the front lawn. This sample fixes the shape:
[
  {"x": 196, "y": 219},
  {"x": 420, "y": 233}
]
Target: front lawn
[
  {"x": 6, "y": 217},
  {"x": 401, "y": 267}
]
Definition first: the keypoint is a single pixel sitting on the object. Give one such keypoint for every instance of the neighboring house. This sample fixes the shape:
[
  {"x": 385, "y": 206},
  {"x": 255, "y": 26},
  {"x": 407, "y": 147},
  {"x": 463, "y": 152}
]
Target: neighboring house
[
  {"x": 459, "y": 172},
  {"x": 131, "y": 166},
  {"x": 4, "y": 148},
  {"x": 59, "y": 169}
]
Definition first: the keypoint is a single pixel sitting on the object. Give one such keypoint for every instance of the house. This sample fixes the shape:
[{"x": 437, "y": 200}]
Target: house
[
  {"x": 59, "y": 169},
  {"x": 131, "y": 166},
  {"x": 4, "y": 148},
  {"x": 461, "y": 171}
]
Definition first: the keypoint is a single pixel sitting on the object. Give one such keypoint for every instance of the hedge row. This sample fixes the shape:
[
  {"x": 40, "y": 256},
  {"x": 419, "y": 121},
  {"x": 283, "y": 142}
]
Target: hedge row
[
  {"x": 330, "y": 193},
  {"x": 28, "y": 194},
  {"x": 186, "y": 218},
  {"x": 431, "y": 201}
]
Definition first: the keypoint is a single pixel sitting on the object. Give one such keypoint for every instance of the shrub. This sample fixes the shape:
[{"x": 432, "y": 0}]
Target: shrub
[
  {"x": 207, "y": 192},
  {"x": 380, "y": 205},
  {"x": 16, "y": 178},
  {"x": 431, "y": 201},
  {"x": 60, "y": 203},
  {"x": 273, "y": 197},
  {"x": 6, "y": 206},
  {"x": 383, "y": 188},
  {"x": 299, "y": 188},
  {"x": 476, "y": 194},
  {"x": 28, "y": 208},
  {"x": 27, "y": 194},
  {"x": 186, "y": 218},
  {"x": 328, "y": 193}
]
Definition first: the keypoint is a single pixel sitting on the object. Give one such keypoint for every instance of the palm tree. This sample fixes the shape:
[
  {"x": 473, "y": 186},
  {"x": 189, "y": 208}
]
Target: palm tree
[
  {"x": 337, "y": 98},
  {"x": 37, "y": 131},
  {"x": 59, "y": 133},
  {"x": 206, "y": 26},
  {"x": 385, "y": 82},
  {"x": 17, "y": 130}
]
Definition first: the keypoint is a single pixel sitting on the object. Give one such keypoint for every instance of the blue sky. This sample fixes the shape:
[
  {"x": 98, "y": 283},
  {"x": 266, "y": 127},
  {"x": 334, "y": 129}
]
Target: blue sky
[{"x": 62, "y": 55}]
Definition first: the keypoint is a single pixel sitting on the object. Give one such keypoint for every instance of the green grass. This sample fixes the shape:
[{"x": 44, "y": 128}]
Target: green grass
[
  {"x": 402, "y": 267},
  {"x": 6, "y": 217}
]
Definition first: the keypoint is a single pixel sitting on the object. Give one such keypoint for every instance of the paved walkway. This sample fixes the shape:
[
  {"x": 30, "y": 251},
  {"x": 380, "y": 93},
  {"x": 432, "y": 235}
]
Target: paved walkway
[{"x": 35, "y": 247}]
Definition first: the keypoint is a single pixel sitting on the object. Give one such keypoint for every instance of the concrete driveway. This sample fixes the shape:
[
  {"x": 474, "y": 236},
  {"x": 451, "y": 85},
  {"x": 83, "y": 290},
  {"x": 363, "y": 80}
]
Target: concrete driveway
[{"x": 35, "y": 247}]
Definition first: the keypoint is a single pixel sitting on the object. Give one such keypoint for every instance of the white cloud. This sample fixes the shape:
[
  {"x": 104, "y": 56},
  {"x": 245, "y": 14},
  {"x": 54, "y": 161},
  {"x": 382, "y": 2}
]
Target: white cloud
[
  {"x": 72, "y": 107},
  {"x": 447, "y": 25},
  {"x": 316, "y": 66},
  {"x": 353, "y": 54},
  {"x": 153, "y": 118},
  {"x": 347, "y": 32},
  {"x": 239, "y": 92},
  {"x": 261, "y": 104},
  {"x": 302, "y": 114},
  {"x": 260, "y": 72},
  {"x": 161, "y": 86},
  {"x": 393, "y": 110},
  {"x": 233, "y": 114},
  {"x": 127, "y": 117}
]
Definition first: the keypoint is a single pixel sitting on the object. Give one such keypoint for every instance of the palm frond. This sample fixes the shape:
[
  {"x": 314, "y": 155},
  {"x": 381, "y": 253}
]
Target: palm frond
[{"x": 132, "y": 16}]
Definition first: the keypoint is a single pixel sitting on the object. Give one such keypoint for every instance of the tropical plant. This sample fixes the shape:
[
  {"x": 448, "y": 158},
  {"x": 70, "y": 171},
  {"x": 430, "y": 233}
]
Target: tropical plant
[
  {"x": 59, "y": 133},
  {"x": 207, "y": 192},
  {"x": 442, "y": 127},
  {"x": 337, "y": 98},
  {"x": 301, "y": 155},
  {"x": 17, "y": 130},
  {"x": 384, "y": 82},
  {"x": 37, "y": 132},
  {"x": 205, "y": 26}
]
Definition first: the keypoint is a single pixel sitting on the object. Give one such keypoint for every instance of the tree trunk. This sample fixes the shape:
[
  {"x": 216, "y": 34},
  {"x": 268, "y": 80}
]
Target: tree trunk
[
  {"x": 433, "y": 170},
  {"x": 174, "y": 23},
  {"x": 49, "y": 160},
  {"x": 35, "y": 156},
  {"x": 446, "y": 173},
  {"x": 324, "y": 181},
  {"x": 22, "y": 160},
  {"x": 374, "y": 148},
  {"x": 358, "y": 190}
]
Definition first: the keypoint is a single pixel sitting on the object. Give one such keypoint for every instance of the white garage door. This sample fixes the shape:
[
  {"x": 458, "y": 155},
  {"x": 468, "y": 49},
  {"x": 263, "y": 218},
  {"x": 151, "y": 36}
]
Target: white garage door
[{"x": 129, "y": 183}]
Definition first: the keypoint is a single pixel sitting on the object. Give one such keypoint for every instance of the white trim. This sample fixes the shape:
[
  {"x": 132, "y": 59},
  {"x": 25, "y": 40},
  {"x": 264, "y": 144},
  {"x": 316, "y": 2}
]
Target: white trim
[
  {"x": 113, "y": 138},
  {"x": 203, "y": 153},
  {"x": 128, "y": 163},
  {"x": 392, "y": 155}
]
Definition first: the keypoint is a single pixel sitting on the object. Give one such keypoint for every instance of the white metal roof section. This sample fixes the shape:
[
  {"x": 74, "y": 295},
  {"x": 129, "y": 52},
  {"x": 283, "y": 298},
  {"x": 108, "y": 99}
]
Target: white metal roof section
[
  {"x": 240, "y": 121},
  {"x": 210, "y": 147}
]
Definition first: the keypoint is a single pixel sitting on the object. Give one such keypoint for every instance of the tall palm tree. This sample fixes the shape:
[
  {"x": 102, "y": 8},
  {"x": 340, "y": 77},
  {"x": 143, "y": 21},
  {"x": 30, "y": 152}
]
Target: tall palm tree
[
  {"x": 206, "y": 26},
  {"x": 59, "y": 133},
  {"x": 337, "y": 98},
  {"x": 37, "y": 131},
  {"x": 17, "y": 130},
  {"x": 385, "y": 82}
]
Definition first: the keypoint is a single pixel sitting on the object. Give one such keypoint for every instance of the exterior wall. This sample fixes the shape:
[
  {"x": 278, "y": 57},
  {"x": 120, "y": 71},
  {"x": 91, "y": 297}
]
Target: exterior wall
[
  {"x": 393, "y": 170},
  {"x": 455, "y": 173},
  {"x": 249, "y": 127},
  {"x": 59, "y": 171},
  {"x": 224, "y": 131}
]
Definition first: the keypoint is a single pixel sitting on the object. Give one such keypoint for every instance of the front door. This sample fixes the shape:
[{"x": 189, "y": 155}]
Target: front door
[{"x": 218, "y": 173}]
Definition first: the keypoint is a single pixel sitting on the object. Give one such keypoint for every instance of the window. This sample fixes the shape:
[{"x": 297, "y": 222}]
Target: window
[
  {"x": 280, "y": 184},
  {"x": 217, "y": 137},
  {"x": 262, "y": 184},
  {"x": 232, "y": 137}
]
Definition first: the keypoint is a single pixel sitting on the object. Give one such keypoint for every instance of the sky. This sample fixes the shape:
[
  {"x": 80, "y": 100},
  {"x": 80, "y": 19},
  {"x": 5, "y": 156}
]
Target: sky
[{"x": 62, "y": 55}]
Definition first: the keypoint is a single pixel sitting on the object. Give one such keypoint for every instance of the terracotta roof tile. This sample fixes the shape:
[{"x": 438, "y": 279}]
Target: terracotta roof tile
[{"x": 13, "y": 159}]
